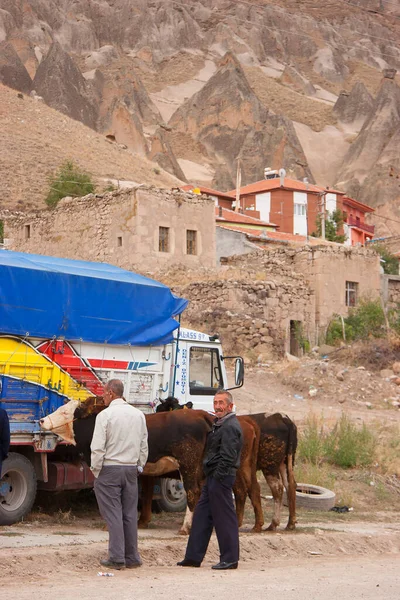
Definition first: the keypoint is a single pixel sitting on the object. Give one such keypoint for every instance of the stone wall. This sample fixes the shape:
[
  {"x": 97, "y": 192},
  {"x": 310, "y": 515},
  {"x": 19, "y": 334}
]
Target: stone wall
[
  {"x": 122, "y": 228},
  {"x": 260, "y": 300},
  {"x": 328, "y": 268},
  {"x": 250, "y": 310},
  {"x": 391, "y": 291}
]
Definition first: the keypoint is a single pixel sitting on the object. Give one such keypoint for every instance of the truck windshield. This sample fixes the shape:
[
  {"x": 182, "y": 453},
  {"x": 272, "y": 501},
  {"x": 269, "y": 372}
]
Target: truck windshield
[{"x": 205, "y": 371}]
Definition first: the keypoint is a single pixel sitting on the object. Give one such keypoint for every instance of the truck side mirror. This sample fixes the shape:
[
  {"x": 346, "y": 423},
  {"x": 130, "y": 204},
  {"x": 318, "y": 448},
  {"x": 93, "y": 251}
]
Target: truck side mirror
[{"x": 239, "y": 371}]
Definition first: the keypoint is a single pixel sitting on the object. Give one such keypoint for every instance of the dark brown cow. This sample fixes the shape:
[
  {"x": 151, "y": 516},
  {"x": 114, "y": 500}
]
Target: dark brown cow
[{"x": 276, "y": 454}]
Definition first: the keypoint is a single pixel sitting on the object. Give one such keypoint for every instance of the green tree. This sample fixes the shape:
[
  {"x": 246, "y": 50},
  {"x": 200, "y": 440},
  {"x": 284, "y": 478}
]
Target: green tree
[
  {"x": 333, "y": 223},
  {"x": 69, "y": 180},
  {"x": 1, "y": 231},
  {"x": 391, "y": 262}
]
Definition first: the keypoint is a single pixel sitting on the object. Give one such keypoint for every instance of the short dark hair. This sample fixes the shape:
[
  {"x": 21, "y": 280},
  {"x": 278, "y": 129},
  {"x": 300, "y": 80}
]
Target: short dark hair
[
  {"x": 116, "y": 386},
  {"x": 228, "y": 395}
]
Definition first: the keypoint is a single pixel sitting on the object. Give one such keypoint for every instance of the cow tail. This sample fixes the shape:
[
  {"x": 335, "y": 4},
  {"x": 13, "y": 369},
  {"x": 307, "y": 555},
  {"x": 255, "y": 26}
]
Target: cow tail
[{"x": 290, "y": 459}]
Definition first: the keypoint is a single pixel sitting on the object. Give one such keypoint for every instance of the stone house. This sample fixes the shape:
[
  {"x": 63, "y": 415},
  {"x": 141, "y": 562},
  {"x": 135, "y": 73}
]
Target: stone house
[
  {"x": 144, "y": 229},
  {"x": 279, "y": 298}
]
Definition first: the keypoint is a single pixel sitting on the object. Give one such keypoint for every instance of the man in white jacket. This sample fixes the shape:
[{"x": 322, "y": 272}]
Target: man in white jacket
[{"x": 118, "y": 452}]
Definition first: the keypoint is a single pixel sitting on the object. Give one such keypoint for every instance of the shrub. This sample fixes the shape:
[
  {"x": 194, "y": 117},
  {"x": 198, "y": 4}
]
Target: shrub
[
  {"x": 390, "y": 261},
  {"x": 1, "y": 231},
  {"x": 311, "y": 442},
  {"x": 367, "y": 319},
  {"x": 69, "y": 180},
  {"x": 347, "y": 446},
  {"x": 334, "y": 332}
]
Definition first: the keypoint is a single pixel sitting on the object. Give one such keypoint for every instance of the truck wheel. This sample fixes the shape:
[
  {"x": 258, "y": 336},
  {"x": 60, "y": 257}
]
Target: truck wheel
[
  {"x": 173, "y": 495},
  {"x": 17, "y": 488}
]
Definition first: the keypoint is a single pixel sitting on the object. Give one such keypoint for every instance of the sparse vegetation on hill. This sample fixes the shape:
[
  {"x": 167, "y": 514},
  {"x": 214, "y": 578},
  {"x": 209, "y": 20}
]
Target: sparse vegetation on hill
[
  {"x": 69, "y": 180},
  {"x": 364, "y": 321}
]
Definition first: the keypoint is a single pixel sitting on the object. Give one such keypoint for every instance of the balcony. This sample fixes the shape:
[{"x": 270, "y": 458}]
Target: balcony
[{"x": 352, "y": 222}]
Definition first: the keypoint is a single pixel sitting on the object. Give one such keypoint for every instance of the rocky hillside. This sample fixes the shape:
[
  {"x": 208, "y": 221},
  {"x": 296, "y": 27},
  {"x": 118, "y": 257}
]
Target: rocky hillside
[
  {"x": 195, "y": 85},
  {"x": 36, "y": 139}
]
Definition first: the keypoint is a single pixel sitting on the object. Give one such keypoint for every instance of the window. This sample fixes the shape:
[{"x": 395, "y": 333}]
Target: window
[
  {"x": 205, "y": 375},
  {"x": 163, "y": 239},
  {"x": 351, "y": 293},
  {"x": 119, "y": 241},
  {"x": 27, "y": 232},
  {"x": 300, "y": 210},
  {"x": 191, "y": 241}
]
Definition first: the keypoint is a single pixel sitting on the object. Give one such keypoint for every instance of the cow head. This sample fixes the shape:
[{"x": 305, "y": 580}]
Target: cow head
[
  {"x": 91, "y": 406},
  {"x": 61, "y": 421},
  {"x": 172, "y": 403}
]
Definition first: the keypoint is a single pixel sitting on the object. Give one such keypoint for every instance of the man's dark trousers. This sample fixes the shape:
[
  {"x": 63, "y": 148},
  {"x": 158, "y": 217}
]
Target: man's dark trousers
[
  {"x": 116, "y": 492},
  {"x": 215, "y": 509}
]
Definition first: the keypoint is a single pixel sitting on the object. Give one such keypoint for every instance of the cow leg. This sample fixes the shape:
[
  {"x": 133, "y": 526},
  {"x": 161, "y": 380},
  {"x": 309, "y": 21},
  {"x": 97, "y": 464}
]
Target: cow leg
[
  {"x": 255, "y": 497},
  {"x": 187, "y": 522},
  {"x": 276, "y": 485},
  {"x": 147, "y": 497},
  {"x": 291, "y": 494},
  {"x": 192, "y": 483},
  {"x": 240, "y": 490}
]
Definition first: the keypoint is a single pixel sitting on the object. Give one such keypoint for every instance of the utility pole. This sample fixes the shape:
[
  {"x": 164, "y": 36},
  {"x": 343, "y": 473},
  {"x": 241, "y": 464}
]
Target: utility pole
[
  {"x": 238, "y": 183},
  {"x": 323, "y": 215}
]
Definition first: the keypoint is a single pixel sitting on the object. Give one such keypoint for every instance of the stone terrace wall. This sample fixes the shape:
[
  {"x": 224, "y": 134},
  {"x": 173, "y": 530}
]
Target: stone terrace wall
[
  {"x": 122, "y": 228},
  {"x": 249, "y": 310}
]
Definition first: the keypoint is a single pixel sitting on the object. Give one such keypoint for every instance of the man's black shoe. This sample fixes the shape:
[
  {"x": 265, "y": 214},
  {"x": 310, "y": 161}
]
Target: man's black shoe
[
  {"x": 110, "y": 564},
  {"x": 186, "y": 562},
  {"x": 222, "y": 566},
  {"x": 133, "y": 565}
]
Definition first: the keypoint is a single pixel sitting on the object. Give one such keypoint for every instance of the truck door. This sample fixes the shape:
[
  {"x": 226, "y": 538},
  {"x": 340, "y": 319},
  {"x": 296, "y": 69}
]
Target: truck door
[{"x": 206, "y": 375}]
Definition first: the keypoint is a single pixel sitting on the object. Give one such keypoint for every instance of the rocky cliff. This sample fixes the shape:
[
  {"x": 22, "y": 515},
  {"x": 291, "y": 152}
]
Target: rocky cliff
[{"x": 150, "y": 76}]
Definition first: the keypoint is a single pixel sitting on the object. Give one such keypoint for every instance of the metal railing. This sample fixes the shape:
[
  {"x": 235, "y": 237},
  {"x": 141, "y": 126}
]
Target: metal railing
[{"x": 352, "y": 222}]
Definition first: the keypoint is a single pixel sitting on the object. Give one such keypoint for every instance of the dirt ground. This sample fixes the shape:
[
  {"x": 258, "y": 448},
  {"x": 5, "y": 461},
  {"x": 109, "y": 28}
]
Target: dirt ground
[{"x": 352, "y": 555}]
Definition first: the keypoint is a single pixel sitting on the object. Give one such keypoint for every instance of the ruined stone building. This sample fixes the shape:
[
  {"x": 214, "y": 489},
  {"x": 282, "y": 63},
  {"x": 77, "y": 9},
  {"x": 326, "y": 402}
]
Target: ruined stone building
[{"x": 144, "y": 229}]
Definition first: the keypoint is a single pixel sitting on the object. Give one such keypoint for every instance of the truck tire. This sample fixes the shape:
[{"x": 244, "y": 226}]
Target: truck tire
[
  {"x": 173, "y": 495},
  {"x": 17, "y": 501},
  {"x": 313, "y": 497}
]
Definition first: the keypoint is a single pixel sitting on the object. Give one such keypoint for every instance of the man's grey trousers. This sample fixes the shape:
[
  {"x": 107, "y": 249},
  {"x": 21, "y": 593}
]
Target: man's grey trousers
[{"x": 116, "y": 492}]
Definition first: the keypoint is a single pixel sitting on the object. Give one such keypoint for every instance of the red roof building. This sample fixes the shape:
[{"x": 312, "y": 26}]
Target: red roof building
[{"x": 294, "y": 206}]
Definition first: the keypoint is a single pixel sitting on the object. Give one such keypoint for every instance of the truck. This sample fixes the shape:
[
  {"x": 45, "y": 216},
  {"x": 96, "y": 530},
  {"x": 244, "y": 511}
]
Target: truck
[{"x": 66, "y": 328}]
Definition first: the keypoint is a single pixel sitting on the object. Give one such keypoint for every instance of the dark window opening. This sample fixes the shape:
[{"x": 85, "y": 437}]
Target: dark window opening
[
  {"x": 119, "y": 241},
  {"x": 205, "y": 375},
  {"x": 191, "y": 241},
  {"x": 27, "y": 232},
  {"x": 351, "y": 293},
  {"x": 163, "y": 239}
]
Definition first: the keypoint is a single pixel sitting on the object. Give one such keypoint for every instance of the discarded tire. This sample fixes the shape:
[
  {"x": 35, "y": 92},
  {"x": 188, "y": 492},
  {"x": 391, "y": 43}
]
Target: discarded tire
[{"x": 313, "y": 497}]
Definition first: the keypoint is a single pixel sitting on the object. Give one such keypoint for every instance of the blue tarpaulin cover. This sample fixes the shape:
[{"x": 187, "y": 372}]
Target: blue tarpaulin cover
[{"x": 44, "y": 296}]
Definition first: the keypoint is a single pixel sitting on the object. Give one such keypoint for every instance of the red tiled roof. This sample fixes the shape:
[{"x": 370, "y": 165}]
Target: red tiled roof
[
  {"x": 356, "y": 204},
  {"x": 329, "y": 190},
  {"x": 267, "y": 185},
  {"x": 205, "y": 190},
  {"x": 225, "y": 214}
]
